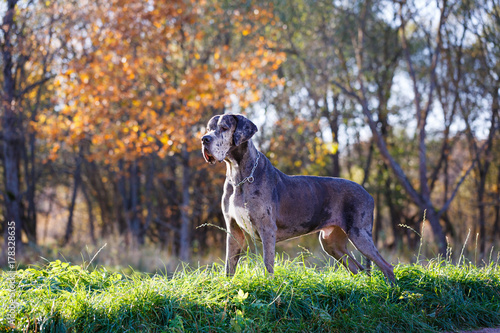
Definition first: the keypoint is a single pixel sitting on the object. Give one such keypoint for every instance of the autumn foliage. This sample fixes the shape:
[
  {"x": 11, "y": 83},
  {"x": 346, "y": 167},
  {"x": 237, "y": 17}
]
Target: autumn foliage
[{"x": 149, "y": 75}]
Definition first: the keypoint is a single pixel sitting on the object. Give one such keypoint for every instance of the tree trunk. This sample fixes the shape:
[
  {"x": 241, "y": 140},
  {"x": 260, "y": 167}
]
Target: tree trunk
[
  {"x": 29, "y": 178},
  {"x": 481, "y": 208},
  {"x": 149, "y": 194},
  {"x": 30, "y": 174},
  {"x": 377, "y": 226},
  {"x": 437, "y": 229},
  {"x": 185, "y": 246},
  {"x": 366, "y": 171},
  {"x": 90, "y": 213},
  {"x": 12, "y": 131},
  {"x": 77, "y": 176},
  {"x": 496, "y": 225},
  {"x": 95, "y": 180},
  {"x": 393, "y": 210},
  {"x": 119, "y": 205},
  {"x": 125, "y": 202},
  {"x": 333, "y": 120},
  {"x": 135, "y": 203}
]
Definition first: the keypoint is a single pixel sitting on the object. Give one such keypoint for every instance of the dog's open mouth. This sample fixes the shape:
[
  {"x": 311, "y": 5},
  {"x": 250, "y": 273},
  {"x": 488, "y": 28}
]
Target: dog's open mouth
[{"x": 208, "y": 157}]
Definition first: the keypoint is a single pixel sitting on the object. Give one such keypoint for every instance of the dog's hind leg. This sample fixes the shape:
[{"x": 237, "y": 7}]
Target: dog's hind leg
[
  {"x": 334, "y": 242},
  {"x": 363, "y": 241}
]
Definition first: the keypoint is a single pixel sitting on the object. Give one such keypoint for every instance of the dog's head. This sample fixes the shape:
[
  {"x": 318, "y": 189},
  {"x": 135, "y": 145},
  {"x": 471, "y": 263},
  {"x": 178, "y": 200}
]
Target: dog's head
[{"x": 223, "y": 133}]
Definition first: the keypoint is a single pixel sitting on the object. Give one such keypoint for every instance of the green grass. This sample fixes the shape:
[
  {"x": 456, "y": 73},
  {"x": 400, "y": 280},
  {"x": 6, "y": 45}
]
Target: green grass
[{"x": 60, "y": 297}]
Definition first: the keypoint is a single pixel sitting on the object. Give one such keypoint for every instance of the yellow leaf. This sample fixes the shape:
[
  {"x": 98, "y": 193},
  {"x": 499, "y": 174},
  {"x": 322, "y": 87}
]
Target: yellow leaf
[
  {"x": 85, "y": 78},
  {"x": 164, "y": 140}
]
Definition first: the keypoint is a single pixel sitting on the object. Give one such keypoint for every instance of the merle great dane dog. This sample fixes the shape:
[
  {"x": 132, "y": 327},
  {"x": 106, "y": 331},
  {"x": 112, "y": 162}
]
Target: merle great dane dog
[{"x": 270, "y": 206}]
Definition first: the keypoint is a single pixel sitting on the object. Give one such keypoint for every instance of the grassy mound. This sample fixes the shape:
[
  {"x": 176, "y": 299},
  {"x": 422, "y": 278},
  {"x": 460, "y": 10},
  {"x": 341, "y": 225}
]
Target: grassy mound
[{"x": 438, "y": 296}]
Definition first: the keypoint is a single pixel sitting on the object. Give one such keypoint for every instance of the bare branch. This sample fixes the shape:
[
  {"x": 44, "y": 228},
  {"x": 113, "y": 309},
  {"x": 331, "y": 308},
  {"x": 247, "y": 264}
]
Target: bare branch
[
  {"x": 33, "y": 86},
  {"x": 460, "y": 182},
  {"x": 422, "y": 113}
]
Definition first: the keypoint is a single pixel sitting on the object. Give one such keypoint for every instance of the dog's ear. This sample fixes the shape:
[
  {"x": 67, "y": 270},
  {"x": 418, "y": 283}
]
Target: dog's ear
[
  {"x": 212, "y": 123},
  {"x": 244, "y": 131}
]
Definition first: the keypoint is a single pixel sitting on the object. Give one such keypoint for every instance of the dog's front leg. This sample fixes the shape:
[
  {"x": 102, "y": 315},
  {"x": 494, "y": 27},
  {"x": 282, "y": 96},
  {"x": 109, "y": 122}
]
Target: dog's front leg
[
  {"x": 234, "y": 246},
  {"x": 268, "y": 237}
]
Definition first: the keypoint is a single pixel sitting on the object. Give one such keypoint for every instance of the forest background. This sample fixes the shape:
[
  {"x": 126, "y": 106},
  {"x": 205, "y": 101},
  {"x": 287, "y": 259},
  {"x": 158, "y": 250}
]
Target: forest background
[{"x": 104, "y": 102}]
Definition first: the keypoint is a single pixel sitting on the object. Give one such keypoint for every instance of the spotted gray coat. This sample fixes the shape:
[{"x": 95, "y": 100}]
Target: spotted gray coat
[{"x": 273, "y": 207}]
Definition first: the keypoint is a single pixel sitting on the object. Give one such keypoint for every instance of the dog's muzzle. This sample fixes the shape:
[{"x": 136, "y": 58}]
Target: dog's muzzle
[{"x": 206, "y": 140}]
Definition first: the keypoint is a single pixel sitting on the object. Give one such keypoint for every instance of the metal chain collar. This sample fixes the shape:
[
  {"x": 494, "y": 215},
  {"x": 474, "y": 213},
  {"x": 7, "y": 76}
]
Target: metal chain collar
[{"x": 250, "y": 178}]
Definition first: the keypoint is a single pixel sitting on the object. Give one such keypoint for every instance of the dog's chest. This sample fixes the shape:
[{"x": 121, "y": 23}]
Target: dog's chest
[{"x": 241, "y": 214}]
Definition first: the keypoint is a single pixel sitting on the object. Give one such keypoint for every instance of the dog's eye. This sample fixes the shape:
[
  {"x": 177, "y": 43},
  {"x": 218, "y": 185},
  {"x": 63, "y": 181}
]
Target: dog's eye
[{"x": 224, "y": 128}]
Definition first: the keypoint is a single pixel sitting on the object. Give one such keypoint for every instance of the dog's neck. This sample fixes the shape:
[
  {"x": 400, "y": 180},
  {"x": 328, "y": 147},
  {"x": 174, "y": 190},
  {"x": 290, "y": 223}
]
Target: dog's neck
[{"x": 240, "y": 160}]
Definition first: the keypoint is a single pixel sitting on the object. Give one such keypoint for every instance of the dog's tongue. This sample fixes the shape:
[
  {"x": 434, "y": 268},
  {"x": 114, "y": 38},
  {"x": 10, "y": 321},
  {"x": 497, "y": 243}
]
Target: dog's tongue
[{"x": 205, "y": 154}]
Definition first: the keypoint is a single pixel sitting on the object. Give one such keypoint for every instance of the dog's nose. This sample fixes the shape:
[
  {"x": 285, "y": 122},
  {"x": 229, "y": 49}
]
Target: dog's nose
[{"x": 206, "y": 139}]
